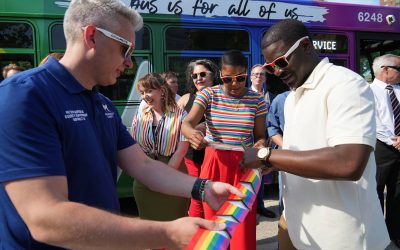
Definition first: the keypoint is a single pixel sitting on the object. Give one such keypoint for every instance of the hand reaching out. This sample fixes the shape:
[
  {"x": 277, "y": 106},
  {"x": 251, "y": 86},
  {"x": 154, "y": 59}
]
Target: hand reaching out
[
  {"x": 182, "y": 230},
  {"x": 216, "y": 193},
  {"x": 197, "y": 140}
]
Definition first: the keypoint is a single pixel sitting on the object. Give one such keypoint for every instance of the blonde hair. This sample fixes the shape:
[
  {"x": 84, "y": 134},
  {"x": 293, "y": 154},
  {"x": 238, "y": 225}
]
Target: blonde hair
[
  {"x": 11, "y": 66},
  {"x": 101, "y": 13},
  {"x": 156, "y": 81}
]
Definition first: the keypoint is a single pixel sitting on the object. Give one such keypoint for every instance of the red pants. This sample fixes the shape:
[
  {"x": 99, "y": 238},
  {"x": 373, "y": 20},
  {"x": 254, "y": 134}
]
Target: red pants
[
  {"x": 223, "y": 165},
  {"x": 196, "y": 207}
]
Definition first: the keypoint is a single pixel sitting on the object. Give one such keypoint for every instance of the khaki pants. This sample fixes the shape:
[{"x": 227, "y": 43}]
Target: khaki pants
[{"x": 283, "y": 236}]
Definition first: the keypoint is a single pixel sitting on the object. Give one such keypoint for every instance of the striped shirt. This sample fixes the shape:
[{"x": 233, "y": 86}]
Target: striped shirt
[
  {"x": 229, "y": 119},
  {"x": 164, "y": 140}
]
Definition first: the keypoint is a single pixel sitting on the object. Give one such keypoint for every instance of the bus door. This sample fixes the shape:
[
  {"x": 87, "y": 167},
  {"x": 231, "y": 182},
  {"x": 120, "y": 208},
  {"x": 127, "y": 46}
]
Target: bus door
[
  {"x": 372, "y": 45},
  {"x": 337, "y": 46}
]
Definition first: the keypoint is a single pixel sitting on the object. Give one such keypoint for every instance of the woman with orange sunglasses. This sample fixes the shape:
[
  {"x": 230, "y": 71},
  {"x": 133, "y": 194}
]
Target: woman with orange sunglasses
[{"x": 234, "y": 115}]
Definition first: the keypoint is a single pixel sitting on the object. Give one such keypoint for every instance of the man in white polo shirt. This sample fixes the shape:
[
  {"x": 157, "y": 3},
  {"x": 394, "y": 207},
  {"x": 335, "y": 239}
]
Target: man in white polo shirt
[{"x": 329, "y": 187}]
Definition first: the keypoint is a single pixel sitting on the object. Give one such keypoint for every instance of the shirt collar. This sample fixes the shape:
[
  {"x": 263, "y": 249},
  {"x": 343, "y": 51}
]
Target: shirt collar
[
  {"x": 380, "y": 84},
  {"x": 63, "y": 76},
  {"x": 315, "y": 76},
  {"x": 255, "y": 90}
]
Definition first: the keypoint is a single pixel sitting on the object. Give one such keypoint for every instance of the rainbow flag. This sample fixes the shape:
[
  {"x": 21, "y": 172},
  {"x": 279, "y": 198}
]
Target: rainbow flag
[
  {"x": 247, "y": 189},
  {"x": 236, "y": 209},
  {"x": 252, "y": 176},
  {"x": 232, "y": 213},
  {"x": 209, "y": 240},
  {"x": 230, "y": 222}
]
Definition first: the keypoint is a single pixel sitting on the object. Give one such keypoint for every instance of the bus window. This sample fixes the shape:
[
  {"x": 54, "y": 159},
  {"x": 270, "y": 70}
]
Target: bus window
[
  {"x": 179, "y": 64},
  {"x": 143, "y": 39},
  {"x": 24, "y": 60},
  {"x": 57, "y": 38},
  {"x": 16, "y": 35},
  {"x": 121, "y": 90},
  {"x": 339, "y": 62},
  {"x": 206, "y": 39},
  {"x": 373, "y": 45}
]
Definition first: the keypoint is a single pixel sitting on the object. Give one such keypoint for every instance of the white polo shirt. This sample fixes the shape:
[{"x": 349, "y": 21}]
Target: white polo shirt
[{"x": 334, "y": 106}]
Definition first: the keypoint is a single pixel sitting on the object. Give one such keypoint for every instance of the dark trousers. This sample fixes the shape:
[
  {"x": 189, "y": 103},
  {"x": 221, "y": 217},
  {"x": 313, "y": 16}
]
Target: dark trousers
[{"x": 388, "y": 174}]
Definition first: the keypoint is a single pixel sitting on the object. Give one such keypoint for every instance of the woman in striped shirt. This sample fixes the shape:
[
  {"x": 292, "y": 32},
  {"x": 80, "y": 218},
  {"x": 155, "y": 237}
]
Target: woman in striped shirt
[
  {"x": 234, "y": 114},
  {"x": 157, "y": 130}
]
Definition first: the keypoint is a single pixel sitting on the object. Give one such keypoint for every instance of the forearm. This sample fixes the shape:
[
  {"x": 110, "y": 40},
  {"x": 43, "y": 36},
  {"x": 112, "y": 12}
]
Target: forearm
[
  {"x": 43, "y": 205},
  {"x": 188, "y": 129},
  {"x": 150, "y": 172},
  {"x": 176, "y": 159},
  {"x": 325, "y": 163},
  {"x": 76, "y": 226}
]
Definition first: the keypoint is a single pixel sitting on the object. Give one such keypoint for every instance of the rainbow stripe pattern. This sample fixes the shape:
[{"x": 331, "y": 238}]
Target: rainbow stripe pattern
[{"x": 232, "y": 213}]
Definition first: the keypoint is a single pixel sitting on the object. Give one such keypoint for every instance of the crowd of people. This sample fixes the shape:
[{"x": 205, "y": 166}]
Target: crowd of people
[{"x": 334, "y": 138}]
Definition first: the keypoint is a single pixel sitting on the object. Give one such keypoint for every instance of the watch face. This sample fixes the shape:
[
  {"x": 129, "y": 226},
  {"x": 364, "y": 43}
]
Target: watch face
[{"x": 262, "y": 153}]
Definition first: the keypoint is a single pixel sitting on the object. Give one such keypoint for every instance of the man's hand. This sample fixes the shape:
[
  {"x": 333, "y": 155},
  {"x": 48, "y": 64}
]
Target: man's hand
[
  {"x": 250, "y": 159},
  {"x": 197, "y": 140},
  {"x": 396, "y": 142},
  {"x": 216, "y": 193},
  {"x": 181, "y": 231}
]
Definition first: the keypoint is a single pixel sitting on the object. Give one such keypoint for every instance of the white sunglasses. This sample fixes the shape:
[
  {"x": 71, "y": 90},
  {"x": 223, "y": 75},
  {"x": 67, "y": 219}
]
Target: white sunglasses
[{"x": 130, "y": 46}]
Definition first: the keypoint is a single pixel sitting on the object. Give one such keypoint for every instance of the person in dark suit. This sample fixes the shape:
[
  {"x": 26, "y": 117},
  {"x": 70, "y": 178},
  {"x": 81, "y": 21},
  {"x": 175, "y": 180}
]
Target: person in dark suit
[{"x": 387, "y": 151}]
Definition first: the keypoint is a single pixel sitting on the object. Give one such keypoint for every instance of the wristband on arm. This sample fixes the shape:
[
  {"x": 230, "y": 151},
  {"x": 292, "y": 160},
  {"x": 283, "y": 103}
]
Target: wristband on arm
[{"x": 199, "y": 188}]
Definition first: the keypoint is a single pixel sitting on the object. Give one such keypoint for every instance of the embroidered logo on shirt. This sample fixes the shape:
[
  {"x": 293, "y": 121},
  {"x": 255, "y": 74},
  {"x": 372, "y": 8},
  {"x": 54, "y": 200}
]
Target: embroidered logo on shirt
[
  {"x": 76, "y": 115},
  {"x": 107, "y": 112}
]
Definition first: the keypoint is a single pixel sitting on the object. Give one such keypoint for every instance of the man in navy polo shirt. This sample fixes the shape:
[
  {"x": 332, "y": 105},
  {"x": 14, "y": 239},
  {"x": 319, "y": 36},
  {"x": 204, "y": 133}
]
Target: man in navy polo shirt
[{"x": 61, "y": 142}]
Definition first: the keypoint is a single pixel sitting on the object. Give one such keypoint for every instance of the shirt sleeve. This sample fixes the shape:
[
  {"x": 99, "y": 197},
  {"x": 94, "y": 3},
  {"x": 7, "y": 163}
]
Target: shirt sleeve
[
  {"x": 30, "y": 143},
  {"x": 203, "y": 98},
  {"x": 351, "y": 113},
  {"x": 182, "y": 118},
  {"x": 261, "y": 108},
  {"x": 273, "y": 119}
]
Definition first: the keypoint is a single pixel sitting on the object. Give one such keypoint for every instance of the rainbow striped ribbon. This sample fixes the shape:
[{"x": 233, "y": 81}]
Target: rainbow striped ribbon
[{"x": 232, "y": 213}]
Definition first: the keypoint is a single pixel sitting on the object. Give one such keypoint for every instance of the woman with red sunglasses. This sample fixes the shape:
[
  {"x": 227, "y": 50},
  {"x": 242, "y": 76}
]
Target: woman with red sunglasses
[{"x": 234, "y": 115}]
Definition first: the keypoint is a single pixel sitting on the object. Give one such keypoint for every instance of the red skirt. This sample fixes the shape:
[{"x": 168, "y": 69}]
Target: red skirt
[
  {"x": 196, "y": 207},
  {"x": 223, "y": 165}
]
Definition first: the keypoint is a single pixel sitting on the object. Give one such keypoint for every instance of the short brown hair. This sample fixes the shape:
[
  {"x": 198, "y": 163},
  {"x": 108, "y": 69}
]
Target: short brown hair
[
  {"x": 155, "y": 81},
  {"x": 11, "y": 66}
]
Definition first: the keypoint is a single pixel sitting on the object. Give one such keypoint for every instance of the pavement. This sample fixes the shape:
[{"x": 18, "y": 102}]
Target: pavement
[{"x": 267, "y": 229}]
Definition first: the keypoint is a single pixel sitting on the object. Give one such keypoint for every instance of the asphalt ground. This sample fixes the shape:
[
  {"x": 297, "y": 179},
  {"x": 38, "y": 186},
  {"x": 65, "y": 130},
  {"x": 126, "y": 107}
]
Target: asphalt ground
[{"x": 267, "y": 228}]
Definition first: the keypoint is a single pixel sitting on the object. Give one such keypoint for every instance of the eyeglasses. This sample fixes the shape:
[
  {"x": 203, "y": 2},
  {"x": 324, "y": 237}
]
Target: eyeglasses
[
  {"x": 257, "y": 74},
  {"x": 236, "y": 78},
  {"x": 201, "y": 74},
  {"x": 129, "y": 46},
  {"x": 392, "y": 67},
  {"x": 282, "y": 62}
]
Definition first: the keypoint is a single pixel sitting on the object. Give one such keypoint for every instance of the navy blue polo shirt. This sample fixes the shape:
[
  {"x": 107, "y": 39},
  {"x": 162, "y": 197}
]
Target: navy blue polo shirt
[{"x": 51, "y": 126}]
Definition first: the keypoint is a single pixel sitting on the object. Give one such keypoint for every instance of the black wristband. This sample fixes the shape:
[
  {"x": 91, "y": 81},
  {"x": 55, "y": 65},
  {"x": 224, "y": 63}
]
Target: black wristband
[{"x": 198, "y": 188}]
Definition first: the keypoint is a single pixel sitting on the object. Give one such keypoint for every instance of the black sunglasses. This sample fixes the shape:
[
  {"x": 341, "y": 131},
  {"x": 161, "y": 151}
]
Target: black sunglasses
[
  {"x": 237, "y": 78},
  {"x": 201, "y": 74},
  {"x": 392, "y": 67}
]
